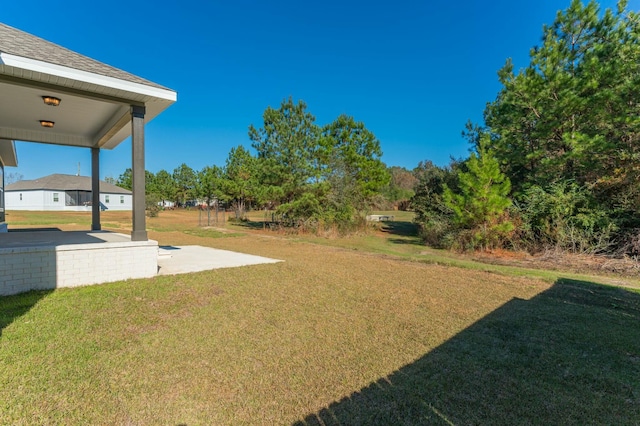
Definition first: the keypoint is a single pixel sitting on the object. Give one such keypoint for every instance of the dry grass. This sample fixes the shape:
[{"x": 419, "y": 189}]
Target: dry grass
[
  {"x": 559, "y": 260},
  {"x": 332, "y": 335}
]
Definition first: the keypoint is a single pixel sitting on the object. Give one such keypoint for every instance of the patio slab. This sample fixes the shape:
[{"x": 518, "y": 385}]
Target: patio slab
[
  {"x": 55, "y": 237},
  {"x": 184, "y": 259}
]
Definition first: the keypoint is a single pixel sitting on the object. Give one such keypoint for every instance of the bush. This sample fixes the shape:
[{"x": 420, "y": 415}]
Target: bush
[
  {"x": 152, "y": 207},
  {"x": 433, "y": 218},
  {"x": 436, "y": 231},
  {"x": 565, "y": 216},
  {"x": 239, "y": 219}
]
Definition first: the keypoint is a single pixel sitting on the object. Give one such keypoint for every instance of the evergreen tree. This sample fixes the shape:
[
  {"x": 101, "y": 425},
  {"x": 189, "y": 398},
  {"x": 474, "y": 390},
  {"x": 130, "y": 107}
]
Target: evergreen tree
[
  {"x": 184, "y": 178},
  {"x": 165, "y": 185},
  {"x": 125, "y": 180},
  {"x": 401, "y": 187},
  {"x": 287, "y": 145},
  {"x": 573, "y": 115},
  {"x": 482, "y": 198},
  {"x": 210, "y": 184},
  {"x": 241, "y": 183},
  {"x": 350, "y": 157},
  {"x": 316, "y": 176}
]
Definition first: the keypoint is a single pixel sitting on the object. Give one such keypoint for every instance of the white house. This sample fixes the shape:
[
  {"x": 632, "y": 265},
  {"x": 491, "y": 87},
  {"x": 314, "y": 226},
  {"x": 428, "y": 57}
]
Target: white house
[{"x": 64, "y": 192}]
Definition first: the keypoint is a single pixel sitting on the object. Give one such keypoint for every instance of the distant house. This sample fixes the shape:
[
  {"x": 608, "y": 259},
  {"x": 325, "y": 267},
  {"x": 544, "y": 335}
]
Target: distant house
[{"x": 64, "y": 192}]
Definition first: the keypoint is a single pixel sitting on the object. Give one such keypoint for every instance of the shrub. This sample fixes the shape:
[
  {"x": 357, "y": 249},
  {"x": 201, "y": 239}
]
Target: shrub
[
  {"x": 152, "y": 207},
  {"x": 565, "y": 216}
]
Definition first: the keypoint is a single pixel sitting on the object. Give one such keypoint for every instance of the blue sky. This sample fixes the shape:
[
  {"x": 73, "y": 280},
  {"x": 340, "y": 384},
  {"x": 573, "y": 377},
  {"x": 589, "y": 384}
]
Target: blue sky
[{"x": 413, "y": 71}]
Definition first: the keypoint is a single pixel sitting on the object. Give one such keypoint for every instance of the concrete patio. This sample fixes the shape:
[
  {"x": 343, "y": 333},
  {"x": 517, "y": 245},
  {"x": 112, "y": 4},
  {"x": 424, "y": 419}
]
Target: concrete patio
[
  {"x": 41, "y": 259},
  {"x": 186, "y": 259}
]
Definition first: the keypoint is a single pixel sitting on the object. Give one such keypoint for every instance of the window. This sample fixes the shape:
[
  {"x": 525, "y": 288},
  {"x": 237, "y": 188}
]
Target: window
[
  {"x": 20, "y": 196},
  {"x": 106, "y": 199},
  {"x": 122, "y": 199},
  {"x": 77, "y": 198},
  {"x": 56, "y": 198}
]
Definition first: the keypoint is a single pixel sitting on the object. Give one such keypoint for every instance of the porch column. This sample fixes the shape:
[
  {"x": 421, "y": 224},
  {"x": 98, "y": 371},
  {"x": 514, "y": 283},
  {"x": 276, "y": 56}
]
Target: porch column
[
  {"x": 139, "y": 232},
  {"x": 95, "y": 189}
]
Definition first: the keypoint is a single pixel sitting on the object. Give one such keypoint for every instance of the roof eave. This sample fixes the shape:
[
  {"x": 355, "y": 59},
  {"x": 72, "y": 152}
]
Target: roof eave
[
  {"x": 42, "y": 71},
  {"x": 8, "y": 156}
]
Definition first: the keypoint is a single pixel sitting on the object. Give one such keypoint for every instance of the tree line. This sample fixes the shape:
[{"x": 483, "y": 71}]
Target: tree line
[
  {"x": 557, "y": 162},
  {"x": 312, "y": 176}
]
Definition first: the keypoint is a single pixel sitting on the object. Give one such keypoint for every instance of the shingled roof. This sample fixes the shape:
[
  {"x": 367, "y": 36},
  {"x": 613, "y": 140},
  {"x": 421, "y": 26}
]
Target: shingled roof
[
  {"x": 19, "y": 43},
  {"x": 60, "y": 182}
]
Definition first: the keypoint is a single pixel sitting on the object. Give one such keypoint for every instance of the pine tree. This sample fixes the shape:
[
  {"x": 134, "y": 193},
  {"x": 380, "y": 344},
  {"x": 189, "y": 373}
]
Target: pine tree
[
  {"x": 240, "y": 182},
  {"x": 573, "y": 114},
  {"x": 482, "y": 198}
]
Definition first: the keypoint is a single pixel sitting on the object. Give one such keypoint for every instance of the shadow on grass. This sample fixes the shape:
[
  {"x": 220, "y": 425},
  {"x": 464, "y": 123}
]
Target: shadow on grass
[
  {"x": 250, "y": 224},
  {"x": 401, "y": 228},
  {"x": 402, "y": 232},
  {"x": 13, "y": 307},
  {"x": 570, "y": 355},
  {"x": 407, "y": 241}
]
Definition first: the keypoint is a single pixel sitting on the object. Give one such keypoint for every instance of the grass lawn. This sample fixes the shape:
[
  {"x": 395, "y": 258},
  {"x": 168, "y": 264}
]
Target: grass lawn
[{"x": 373, "y": 329}]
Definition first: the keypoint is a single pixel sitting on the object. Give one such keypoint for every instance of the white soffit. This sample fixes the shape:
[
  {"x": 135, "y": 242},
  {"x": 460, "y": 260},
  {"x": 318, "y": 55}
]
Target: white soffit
[
  {"x": 38, "y": 67},
  {"x": 8, "y": 153}
]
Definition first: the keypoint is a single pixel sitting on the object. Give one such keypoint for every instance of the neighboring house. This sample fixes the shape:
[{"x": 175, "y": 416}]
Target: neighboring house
[{"x": 64, "y": 192}]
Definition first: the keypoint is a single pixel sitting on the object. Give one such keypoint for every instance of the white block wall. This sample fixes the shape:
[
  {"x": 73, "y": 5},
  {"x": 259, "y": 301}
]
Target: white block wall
[
  {"x": 47, "y": 267},
  {"x": 27, "y": 268}
]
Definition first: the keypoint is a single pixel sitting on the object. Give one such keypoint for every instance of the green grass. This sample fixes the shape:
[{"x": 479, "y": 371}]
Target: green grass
[
  {"x": 212, "y": 233},
  {"x": 350, "y": 331},
  {"x": 49, "y": 218}
]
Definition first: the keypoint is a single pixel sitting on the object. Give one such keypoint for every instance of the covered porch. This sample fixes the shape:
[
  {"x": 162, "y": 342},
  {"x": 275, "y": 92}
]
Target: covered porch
[{"x": 56, "y": 96}]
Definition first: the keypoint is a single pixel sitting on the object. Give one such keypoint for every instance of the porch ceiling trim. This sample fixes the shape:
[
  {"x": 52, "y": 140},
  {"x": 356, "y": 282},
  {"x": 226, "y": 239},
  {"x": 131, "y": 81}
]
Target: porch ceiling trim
[
  {"x": 8, "y": 156},
  {"x": 68, "y": 77}
]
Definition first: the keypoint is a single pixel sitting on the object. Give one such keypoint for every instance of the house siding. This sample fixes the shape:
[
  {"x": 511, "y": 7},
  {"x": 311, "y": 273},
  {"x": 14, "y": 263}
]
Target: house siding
[{"x": 43, "y": 200}]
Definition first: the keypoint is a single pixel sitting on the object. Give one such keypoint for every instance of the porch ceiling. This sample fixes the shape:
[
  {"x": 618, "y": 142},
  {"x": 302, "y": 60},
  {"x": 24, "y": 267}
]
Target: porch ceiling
[{"x": 96, "y": 99}]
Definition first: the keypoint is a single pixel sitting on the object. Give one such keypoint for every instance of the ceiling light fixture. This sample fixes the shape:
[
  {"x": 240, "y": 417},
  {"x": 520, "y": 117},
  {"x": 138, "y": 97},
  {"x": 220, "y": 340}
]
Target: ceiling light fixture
[
  {"x": 50, "y": 100},
  {"x": 46, "y": 123}
]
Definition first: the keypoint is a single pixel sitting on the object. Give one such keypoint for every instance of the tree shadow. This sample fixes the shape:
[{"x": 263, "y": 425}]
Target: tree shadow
[
  {"x": 404, "y": 233},
  {"x": 401, "y": 228},
  {"x": 406, "y": 241},
  {"x": 570, "y": 355},
  {"x": 13, "y": 307},
  {"x": 254, "y": 225}
]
